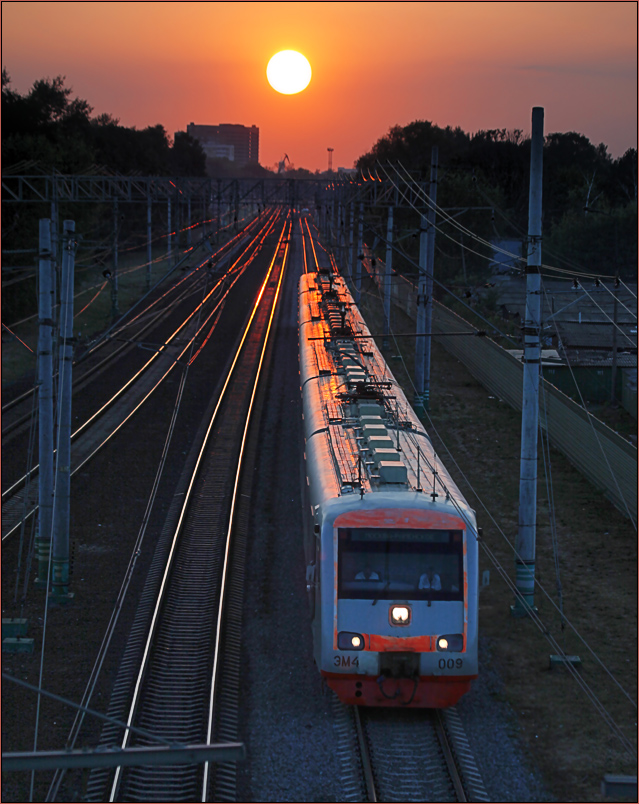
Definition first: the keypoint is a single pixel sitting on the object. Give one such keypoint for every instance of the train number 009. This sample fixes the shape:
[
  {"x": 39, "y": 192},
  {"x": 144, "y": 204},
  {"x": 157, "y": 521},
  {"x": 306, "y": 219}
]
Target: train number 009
[{"x": 450, "y": 664}]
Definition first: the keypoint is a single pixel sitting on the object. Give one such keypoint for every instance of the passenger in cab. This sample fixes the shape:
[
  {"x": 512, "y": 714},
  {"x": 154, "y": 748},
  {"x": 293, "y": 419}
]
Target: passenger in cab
[
  {"x": 430, "y": 580},
  {"x": 367, "y": 574}
]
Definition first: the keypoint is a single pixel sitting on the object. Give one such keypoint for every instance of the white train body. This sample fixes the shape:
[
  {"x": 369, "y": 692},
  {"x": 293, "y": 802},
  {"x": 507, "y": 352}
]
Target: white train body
[{"x": 391, "y": 544}]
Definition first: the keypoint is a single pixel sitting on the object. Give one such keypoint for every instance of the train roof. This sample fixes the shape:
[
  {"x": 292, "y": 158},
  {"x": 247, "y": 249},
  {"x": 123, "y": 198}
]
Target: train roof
[{"x": 372, "y": 440}]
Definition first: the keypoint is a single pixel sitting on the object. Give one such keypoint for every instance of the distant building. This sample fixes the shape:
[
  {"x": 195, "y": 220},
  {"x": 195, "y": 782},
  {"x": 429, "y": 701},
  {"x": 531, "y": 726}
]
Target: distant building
[{"x": 240, "y": 144}]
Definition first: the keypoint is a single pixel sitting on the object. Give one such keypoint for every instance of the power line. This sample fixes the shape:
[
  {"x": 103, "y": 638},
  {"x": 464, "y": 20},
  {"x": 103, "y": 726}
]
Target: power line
[
  {"x": 474, "y": 236},
  {"x": 508, "y": 542}
]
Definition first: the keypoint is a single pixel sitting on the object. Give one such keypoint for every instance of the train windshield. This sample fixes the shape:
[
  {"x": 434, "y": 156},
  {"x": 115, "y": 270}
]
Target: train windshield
[{"x": 416, "y": 564}]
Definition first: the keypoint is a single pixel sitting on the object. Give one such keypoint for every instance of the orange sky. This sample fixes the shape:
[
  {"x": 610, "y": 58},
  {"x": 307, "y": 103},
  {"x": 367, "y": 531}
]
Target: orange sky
[{"x": 471, "y": 64}]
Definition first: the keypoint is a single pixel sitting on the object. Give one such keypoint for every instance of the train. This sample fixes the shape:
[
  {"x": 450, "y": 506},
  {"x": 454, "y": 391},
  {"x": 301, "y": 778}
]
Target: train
[{"x": 391, "y": 545}]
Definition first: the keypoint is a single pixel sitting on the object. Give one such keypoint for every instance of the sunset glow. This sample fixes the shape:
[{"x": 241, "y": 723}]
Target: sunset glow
[{"x": 480, "y": 65}]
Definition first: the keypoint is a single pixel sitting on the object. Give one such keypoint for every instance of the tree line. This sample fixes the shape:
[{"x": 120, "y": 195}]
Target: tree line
[
  {"x": 48, "y": 127},
  {"x": 46, "y": 130},
  {"x": 589, "y": 198}
]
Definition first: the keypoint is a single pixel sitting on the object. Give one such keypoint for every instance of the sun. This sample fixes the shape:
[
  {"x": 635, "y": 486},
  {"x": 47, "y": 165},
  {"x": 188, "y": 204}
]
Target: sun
[{"x": 288, "y": 72}]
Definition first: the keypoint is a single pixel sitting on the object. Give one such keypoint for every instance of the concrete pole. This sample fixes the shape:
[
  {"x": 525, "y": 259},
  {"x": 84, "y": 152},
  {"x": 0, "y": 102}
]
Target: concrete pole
[
  {"x": 463, "y": 256},
  {"x": 420, "y": 328},
  {"x": 149, "y": 246},
  {"x": 615, "y": 311},
  {"x": 430, "y": 265},
  {"x": 168, "y": 223},
  {"x": 340, "y": 213},
  {"x": 188, "y": 222},
  {"x": 62, "y": 497},
  {"x": 54, "y": 252},
  {"x": 525, "y": 543},
  {"x": 333, "y": 239},
  {"x": 360, "y": 250},
  {"x": 613, "y": 370},
  {"x": 45, "y": 403},
  {"x": 350, "y": 244},
  {"x": 387, "y": 276},
  {"x": 115, "y": 312}
]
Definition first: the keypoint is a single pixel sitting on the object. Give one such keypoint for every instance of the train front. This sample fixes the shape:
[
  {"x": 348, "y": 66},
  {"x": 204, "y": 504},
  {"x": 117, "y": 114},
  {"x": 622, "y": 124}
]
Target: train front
[{"x": 400, "y": 621}]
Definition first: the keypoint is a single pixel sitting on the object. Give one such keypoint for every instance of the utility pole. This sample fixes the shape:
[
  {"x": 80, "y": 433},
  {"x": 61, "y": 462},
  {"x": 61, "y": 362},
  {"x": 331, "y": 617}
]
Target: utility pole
[
  {"x": 350, "y": 242},
  {"x": 463, "y": 256},
  {"x": 615, "y": 312},
  {"x": 425, "y": 293},
  {"x": 420, "y": 320},
  {"x": 115, "y": 311},
  {"x": 388, "y": 269},
  {"x": 54, "y": 246},
  {"x": 613, "y": 370},
  {"x": 430, "y": 266},
  {"x": 45, "y": 403},
  {"x": 332, "y": 240},
  {"x": 360, "y": 254},
  {"x": 149, "y": 246},
  {"x": 62, "y": 495},
  {"x": 531, "y": 330},
  {"x": 168, "y": 223}
]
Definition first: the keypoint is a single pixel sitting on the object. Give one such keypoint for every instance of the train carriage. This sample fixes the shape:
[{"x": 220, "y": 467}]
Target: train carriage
[{"x": 390, "y": 542}]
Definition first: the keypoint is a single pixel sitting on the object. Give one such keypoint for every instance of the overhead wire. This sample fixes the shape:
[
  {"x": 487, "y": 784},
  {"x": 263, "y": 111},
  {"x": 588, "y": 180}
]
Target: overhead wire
[
  {"x": 614, "y": 323},
  {"x": 579, "y": 268},
  {"x": 494, "y": 560},
  {"x": 18, "y": 338},
  {"x": 496, "y": 248},
  {"x": 474, "y": 236},
  {"x": 449, "y": 218},
  {"x": 100, "y": 715},
  {"x": 447, "y": 288},
  {"x": 442, "y": 231},
  {"x": 612, "y": 293},
  {"x": 590, "y": 694},
  {"x": 630, "y": 291}
]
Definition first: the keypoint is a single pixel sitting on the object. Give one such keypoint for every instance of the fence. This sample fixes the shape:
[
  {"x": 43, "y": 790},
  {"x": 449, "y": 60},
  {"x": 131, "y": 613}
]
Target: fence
[{"x": 601, "y": 455}]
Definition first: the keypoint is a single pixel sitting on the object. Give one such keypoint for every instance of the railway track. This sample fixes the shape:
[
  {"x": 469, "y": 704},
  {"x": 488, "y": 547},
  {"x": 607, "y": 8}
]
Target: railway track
[
  {"x": 410, "y": 755},
  {"x": 20, "y": 500},
  {"x": 179, "y": 675},
  {"x": 16, "y": 413}
]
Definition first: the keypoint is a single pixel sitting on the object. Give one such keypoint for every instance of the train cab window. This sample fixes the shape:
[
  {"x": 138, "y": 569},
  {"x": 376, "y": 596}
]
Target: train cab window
[{"x": 383, "y": 563}]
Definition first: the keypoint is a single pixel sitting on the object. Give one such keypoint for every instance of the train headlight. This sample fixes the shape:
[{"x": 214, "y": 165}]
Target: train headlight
[
  {"x": 349, "y": 641},
  {"x": 451, "y": 642},
  {"x": 400, "y": 615}
]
